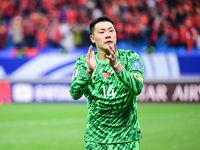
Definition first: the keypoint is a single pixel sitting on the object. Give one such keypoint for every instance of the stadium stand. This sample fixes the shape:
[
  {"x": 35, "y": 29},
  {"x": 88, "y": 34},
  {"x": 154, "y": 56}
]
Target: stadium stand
[{"x": 146, "y": 25}]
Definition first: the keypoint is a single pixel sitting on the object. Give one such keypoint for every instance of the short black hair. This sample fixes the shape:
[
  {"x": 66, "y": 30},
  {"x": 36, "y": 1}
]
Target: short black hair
[{"x": 97, "y": 20}]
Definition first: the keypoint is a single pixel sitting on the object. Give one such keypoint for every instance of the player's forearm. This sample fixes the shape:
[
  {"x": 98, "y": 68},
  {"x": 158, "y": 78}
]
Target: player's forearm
[
  {"x": 79, "y": 86},
  {"x": 133, "y": 82}
]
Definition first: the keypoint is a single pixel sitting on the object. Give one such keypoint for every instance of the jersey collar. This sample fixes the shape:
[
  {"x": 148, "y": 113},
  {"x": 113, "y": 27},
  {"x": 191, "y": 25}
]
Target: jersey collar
[{"x": 100, "y": 61}]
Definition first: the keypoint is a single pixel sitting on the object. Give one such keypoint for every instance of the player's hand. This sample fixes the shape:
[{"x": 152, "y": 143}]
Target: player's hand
[
  {"x": 113, "y": 55},
  {"x": 90, "y": 59}
]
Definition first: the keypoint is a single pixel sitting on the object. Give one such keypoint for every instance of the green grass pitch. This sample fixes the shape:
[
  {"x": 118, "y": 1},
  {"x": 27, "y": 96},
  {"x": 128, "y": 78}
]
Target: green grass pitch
[{"x": 60, "y": 126}]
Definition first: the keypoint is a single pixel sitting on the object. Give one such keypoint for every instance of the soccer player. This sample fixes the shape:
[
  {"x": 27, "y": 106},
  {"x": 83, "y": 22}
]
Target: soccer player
[{"x": 111, "y": 80}]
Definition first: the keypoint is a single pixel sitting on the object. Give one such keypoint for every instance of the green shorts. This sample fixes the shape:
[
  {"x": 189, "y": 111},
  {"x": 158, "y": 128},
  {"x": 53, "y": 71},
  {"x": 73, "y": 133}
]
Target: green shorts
[{"x": 135, "y": 145}]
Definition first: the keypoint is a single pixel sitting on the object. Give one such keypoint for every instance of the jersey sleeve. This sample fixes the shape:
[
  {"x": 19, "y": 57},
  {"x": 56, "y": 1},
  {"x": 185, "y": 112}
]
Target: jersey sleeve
[
  {"x": 80, "y": 81},
  {"x": 132, "y": 74}
]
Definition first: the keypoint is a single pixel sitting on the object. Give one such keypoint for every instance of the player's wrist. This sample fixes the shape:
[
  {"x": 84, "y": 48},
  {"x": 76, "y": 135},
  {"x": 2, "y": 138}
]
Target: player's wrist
[
  {"x": 88, "y": 72},
  {"x": 117, "y": 68},
  {"x": 115, "y": 65}
]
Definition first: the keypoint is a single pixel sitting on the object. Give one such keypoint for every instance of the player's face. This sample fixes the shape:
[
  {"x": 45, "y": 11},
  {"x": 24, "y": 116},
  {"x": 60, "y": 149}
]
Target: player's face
[{"x": 104, "y": 35}]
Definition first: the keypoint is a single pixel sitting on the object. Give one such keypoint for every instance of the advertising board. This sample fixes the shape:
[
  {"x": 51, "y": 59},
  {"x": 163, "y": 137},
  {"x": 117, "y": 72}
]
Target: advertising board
[{"x": 27, "y": 92}]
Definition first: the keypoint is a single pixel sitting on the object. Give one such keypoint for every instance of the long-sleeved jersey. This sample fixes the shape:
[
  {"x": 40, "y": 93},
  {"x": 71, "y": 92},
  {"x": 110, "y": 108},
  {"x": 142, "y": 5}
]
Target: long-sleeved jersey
[{"x": 111, "y": 99}]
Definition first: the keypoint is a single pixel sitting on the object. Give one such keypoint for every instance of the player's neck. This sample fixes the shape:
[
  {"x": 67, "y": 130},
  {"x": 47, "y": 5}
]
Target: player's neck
[{"x": 102, "y": 55}]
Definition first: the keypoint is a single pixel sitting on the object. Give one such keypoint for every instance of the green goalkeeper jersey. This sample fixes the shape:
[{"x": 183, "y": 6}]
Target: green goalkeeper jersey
[{"x": 111, "y": 99}]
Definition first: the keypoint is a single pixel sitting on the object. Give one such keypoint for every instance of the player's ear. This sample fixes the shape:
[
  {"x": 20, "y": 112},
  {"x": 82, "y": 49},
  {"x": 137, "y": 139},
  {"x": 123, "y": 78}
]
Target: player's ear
[{"x": 92, "y": 38}]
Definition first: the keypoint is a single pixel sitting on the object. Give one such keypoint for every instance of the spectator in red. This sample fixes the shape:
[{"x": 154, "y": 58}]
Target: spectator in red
[
  {"x": 153, "y": 28},
  {"x": 120, "y": 31},
  {"x": 8, "y": 9},
  {"x": 185, "y": 37},
  {"x": 189, "y": 22},
  {"x": 60, "y": 3},
  {"x": 47, "y": 5},
  {"x": 42, "y": 37},
  {"x": 54, "y": 34},
  {"x": 3, "y": 34},
  {"x": 172, "y": 36},
  {"x": 30, "y": 30},
  {"x": 72, "y": 15},
  {"x": 27, "y": 6},
  {"x": 197, "y": 21},
  {"x": 23, "y": 6}
]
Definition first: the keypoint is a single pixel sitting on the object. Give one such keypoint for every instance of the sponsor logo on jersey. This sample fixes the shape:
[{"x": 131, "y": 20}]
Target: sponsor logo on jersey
[
  {"x": 106, "y": 74},
  {"x": 136, "y": 65}
]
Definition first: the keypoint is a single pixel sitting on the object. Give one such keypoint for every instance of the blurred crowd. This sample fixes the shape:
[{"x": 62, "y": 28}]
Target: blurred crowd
[{"x": 65, "y": 23}]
